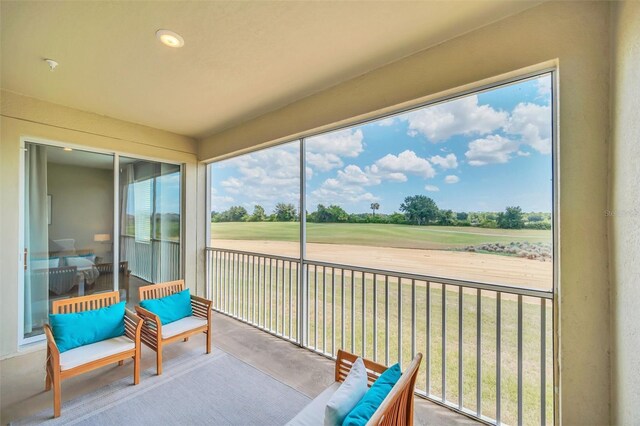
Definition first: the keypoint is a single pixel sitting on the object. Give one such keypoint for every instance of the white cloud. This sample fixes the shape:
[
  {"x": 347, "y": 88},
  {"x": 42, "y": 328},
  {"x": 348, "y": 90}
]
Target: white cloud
[
  {"x": 347, "y": 187},
  {"x": 461, "y": 116},
  {"x": 532, "y": 122},
  {"x": 448, "y": 162},
  {"x": 490, "y": 150},
  {"x": 325, "y": 152},
  {"x": 353, "y": 175},
  {"x": 543, "y": 85},
  {"x": 220, "y": 201},
  {"x": 523, "y": 153},
  {"x": 267, "y": 176},
  {"x": 431, "y": 188},
  {"x": 405, "y": 162},
  {"x": 451, "y": 179},
  {"x": 389, "y": 121}
]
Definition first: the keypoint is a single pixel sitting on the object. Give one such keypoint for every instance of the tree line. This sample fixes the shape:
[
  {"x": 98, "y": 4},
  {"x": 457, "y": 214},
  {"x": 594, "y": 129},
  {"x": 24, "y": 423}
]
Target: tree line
[{"x": 415, "y": 210}]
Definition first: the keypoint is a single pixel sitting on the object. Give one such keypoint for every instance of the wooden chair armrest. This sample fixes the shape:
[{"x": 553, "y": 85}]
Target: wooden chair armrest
[
  {"x": 201, "y": 307},
  {"x": 150, "y": 320},
  {"x": 53, "y": 353},
  {"x": 132, "y": 325}
]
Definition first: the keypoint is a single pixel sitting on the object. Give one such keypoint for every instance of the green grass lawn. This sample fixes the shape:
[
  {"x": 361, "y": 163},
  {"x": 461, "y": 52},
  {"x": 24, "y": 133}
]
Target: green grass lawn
[
  {"x": 268, "y": 306},
  {"x": 373, "y": 234}
]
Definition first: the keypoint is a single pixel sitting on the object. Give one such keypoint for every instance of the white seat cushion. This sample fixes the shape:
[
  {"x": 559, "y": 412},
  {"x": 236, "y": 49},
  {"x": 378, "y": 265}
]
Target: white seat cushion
[
  {"x": 182, "y": 325},
  {"x": 85, "y": 354},
  {"x": 313, "y": 414}
]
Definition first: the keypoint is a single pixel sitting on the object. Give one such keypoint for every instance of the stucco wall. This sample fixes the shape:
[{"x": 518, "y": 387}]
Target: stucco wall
[
  {"x": 27, "y": 117},
  {"x": 624, "y": 205},
  {"x": 575, "y": 37}
]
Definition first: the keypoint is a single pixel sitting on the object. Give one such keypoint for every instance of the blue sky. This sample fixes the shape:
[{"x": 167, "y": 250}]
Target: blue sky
[{"x": 481, "y": 152}]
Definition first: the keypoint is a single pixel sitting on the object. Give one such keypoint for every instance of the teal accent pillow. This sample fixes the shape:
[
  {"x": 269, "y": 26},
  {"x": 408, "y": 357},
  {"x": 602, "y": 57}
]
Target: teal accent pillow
[
  {"x": 371, "y": 400},
  {"x": 83, "y": 328},
  {"x": 170, "y": 308}
]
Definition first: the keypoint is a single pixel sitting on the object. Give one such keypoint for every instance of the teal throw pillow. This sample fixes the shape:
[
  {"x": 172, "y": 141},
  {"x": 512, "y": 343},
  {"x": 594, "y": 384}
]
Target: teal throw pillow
[
  {"x": 170, "y": 308},
  {"x": 83, "y": 328},
  {"x": 371, "y": 400}
]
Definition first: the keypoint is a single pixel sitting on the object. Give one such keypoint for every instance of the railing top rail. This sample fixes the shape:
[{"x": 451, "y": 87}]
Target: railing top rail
[
  {"x": 524, "y": 291},
  {"x": 251, "y": 253}
]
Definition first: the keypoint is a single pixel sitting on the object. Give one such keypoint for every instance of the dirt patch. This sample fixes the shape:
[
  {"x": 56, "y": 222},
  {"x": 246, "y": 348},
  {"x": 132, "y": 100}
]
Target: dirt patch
[{"x": 482, "y": 267}]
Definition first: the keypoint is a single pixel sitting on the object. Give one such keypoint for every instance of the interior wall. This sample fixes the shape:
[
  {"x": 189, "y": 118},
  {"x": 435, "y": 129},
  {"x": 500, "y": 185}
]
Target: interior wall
[
  {"x": 81, "y": 206},
  {"x": 575, "y": 37},
  {"x": 624, "y": 214},
  {"x": 23, "y": 117}
]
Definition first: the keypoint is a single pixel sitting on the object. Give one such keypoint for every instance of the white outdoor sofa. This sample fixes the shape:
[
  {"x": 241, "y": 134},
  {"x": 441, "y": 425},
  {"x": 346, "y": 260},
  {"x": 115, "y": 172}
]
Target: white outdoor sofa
[{"x": 396, "y": 409}]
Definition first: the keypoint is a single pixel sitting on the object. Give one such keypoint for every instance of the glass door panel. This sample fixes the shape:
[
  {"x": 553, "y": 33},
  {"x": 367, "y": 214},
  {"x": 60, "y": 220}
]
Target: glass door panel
[
  {"x": 68, "y": 228},
  {"x": 150, "y": 224}
]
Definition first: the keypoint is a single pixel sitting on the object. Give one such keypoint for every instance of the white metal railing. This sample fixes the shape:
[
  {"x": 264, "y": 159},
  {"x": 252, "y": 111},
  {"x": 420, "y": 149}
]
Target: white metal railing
[
  {"x": 153, "y": 261},
  {"x": 488, "y": 348}
]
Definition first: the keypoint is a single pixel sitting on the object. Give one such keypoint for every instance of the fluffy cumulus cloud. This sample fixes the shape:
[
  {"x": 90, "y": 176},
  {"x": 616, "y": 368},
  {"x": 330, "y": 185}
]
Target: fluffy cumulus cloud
[
  {"x": 448, "y": 162},
  {"x": 325, "y": 152},
  {"x": 490, "y": 150},
  {"x": 532, "y": 123},
  {"x": 451, "y": 179},
  {"x": 262, "y": 176},
  {"x": 462, "y": 116},
  {"x": 396, "y": 167},
  {"x": 347, "y": 187},
  {"x": 431, "y": 188}
]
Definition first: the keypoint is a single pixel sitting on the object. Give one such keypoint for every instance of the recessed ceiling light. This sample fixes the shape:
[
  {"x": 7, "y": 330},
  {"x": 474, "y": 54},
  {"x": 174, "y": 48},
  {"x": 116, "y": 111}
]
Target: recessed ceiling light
[
  {"x": 67, "y": 149},
  {"x": 169, "y": 38}
]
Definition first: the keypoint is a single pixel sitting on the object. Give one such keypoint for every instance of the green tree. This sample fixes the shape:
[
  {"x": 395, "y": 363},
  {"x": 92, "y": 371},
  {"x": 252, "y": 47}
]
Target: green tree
[
  {"x": 446, "y": 217},
  {"x": 510, "y": 219},
  {"x": 285, "y": 212},
  {"x": 374, "y": 207},
  {"x": 235, "y": 214},
  {"x": 258, "y": 214},
  {"x": 419, "y": 209}
]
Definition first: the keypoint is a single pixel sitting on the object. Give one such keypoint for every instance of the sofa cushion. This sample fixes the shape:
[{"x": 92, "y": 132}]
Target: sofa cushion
[
  {"x": 348, "y": 395},
  {"x": 313, "y": 413},
  {"x": 94, "y": 351},
  {"x": 374, "y": 397},
  {"x": 182, "y": 325},
  {"x": 170, "y": 308},
  {"x": 83, "y": 328}
]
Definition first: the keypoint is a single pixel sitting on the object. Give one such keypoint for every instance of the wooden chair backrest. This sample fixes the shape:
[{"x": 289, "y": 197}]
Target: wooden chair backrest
[
  {"x": 85, "y": 303},
  {"x": 156, "y": 291},
  {"x": 397, "y": 407},
  {"x": 345, "y": 361}
]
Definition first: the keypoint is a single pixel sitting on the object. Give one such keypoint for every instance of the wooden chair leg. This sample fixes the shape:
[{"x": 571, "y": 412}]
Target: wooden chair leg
[
  {"x": 209, "y": 340},
  {"x": 136, "y": 368},
  {"x": 56, "y": 397},
  {"x": 121, "y": 362},
  {"x": 159, "y": 361}
]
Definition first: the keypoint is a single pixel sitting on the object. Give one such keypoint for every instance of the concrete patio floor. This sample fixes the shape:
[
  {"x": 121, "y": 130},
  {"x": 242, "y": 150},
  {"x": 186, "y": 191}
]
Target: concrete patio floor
[{"x": 22, "y": 378}]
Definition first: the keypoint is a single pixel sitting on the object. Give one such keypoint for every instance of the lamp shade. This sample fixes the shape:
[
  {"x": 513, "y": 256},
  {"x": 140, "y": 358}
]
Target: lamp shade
[{"x": 102, "y": 238}]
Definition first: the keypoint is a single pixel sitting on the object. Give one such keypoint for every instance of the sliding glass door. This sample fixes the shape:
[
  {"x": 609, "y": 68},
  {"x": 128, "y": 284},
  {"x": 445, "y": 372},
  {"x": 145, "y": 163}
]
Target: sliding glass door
[
  {"x": 149, "y": 223},
  {"x": 79, "y": 241},
  {"x": 68, "y": 228}
]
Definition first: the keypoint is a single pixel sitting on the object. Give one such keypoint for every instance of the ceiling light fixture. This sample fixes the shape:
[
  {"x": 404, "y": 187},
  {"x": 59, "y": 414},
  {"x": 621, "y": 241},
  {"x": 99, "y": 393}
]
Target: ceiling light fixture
[
  {"x": 169, "y": 38},
  {"x": 66, "y": 148}
]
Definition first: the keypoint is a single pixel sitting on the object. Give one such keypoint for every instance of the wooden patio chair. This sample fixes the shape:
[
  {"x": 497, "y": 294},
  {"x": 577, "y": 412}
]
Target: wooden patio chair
[
  {"x": 61, "y": 366},
  {"x": 397, "y": 407},
  {"x": 155, "y": 335}
]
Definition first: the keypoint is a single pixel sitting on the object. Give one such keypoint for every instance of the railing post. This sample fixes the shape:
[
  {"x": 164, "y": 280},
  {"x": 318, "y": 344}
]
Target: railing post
[{"x": 302, "y": 276}]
